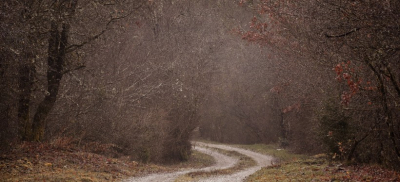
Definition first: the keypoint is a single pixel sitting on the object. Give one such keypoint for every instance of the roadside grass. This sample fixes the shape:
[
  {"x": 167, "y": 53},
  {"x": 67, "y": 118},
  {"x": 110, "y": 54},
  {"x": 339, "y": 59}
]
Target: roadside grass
[
  {"x": 44, "y": 162},
  {"x": 313, "y": 169},
  {"x": 291, "y": 167},
  {"x": 298, "y": 170},
  {"x": 243, "y": 163},
  {"x": 294, "y": 167}
]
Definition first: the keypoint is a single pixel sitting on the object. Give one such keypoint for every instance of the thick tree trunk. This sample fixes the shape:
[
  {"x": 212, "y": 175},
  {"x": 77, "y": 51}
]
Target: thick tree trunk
[{"x": 56, "y": 58}]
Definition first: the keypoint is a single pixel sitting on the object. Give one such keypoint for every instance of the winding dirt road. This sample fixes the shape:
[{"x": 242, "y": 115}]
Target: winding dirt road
[{"x": 222, "y": 162}]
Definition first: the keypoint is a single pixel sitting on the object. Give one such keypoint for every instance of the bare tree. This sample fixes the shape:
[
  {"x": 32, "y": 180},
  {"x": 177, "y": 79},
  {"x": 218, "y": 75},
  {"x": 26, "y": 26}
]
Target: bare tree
[
  {"x": 57, "y": 22},
  {"x": 359, "y": 40}
]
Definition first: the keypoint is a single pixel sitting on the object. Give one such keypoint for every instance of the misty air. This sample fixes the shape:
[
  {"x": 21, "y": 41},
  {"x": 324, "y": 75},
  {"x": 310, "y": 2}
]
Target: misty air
[{"x": 199, "y": 90}]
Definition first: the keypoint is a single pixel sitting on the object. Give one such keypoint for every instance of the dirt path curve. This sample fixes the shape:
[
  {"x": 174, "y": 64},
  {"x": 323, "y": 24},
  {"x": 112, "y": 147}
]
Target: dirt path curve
[
  {"x": 262, "y": 160},
  {"x": 222, "y": 162}
]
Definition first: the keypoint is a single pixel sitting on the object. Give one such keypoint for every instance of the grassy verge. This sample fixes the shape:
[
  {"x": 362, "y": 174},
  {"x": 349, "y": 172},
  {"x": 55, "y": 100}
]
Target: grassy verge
[
  {"x": 320, "y": 170},
  {"x": 244, "y": 162},
  {"x": 43, "y": 162},
  {"x": 294, "y": 167}
]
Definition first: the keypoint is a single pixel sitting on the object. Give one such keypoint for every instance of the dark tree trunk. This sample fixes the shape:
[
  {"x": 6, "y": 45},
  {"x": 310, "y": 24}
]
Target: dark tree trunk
[
  {"x": 26, "y": 76},
  {"x": 354, "y": 147},
  {"x": 388, "y": 115},
  {"x": 56, "y": 58},
  {"x": 282, "y": 126}
]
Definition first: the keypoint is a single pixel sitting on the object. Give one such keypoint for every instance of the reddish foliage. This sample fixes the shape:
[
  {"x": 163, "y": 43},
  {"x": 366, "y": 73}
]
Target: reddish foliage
[
  {"x": 138, "y": 23},
  {"x": 295, "y": 106},
  {"x": 344, "y": 71}
]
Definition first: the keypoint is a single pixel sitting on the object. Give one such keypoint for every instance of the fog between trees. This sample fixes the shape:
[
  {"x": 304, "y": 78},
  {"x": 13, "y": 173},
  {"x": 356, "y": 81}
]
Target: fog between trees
[{"x": 138, "y": 77}]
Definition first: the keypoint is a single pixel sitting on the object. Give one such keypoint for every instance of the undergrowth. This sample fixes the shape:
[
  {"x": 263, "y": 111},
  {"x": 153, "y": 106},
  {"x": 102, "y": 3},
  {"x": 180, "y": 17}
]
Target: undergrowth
[{"x": 63, "y": 160}]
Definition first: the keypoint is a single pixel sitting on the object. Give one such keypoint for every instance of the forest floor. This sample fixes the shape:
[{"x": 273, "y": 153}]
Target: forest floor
[
  {"x": 321, "y": 170},
  {"x": 293, "y": 167},
  {"x": 49, "y": 162},
  {"x": 58, "y": 162}
]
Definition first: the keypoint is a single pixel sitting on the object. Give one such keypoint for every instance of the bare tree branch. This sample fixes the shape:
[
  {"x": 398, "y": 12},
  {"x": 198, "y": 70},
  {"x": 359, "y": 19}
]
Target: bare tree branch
[
  {"x": 342, "y": 35},
  {"x": 73, "y": 47}
]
